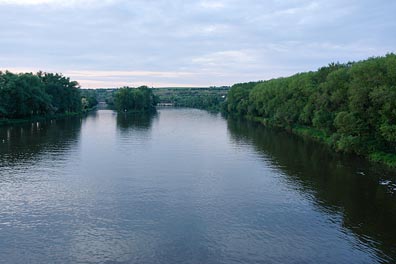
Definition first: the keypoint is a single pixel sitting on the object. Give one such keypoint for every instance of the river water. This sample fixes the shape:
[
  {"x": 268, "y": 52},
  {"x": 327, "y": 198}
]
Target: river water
[{"x": 186, "y": 186}]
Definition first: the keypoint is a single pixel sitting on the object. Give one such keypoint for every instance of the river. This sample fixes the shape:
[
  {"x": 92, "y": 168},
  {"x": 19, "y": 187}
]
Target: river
[{"x": 187, "y": 186}]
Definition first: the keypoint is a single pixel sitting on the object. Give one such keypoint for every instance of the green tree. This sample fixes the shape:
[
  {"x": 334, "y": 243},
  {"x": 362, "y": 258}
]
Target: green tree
[
  {"x": 350, "y": 106},
  {"x": 134, "y": 99}
]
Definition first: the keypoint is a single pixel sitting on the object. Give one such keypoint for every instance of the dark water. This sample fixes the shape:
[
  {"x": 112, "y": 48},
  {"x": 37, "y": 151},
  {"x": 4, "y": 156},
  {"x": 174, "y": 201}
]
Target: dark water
[{"x": 186, "y": 186}]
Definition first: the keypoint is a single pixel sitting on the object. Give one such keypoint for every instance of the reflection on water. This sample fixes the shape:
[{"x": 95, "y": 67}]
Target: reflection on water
[
  {"x": 340, "y": 184},
  {"x": 185, "y": 186},
  {"x": 22, "y": 146},
  {"x": 135, "y": 121},
  {"x": 134, "y": 130}
]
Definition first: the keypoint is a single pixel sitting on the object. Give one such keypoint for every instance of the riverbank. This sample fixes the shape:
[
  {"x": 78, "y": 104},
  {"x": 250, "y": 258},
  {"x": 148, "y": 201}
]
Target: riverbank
[
  {"x": 349, "y": 106},
  {"x": 388, "y": 159},
  {"x": 7, "y": 121}
]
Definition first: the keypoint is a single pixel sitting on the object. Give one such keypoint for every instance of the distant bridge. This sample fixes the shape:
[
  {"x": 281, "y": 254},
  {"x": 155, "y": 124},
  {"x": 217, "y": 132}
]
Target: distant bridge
[
  {"x": 102, "y": 105},
  {"x": 165, "y": 104}
]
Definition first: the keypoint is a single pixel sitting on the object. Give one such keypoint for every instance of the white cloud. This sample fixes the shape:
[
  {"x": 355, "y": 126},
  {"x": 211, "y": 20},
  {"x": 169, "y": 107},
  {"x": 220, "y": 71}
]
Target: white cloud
[
  {"x": 58, "y": 3},
  {"x": 189, "y": 42},
  {"x": 27, "y": 2},
  {"x": 229, "y": 57},
  {"x": 212, "y": 4},
  {"x": 162, "y": 74}
]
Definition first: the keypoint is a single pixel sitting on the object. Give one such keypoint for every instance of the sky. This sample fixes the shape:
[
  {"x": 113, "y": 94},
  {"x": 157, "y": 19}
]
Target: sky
[{"x": 162, "y": 43}]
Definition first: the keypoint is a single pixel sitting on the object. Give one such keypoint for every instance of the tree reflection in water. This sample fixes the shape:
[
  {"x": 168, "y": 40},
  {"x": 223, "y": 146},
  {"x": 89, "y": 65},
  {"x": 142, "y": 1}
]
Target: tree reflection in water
[{"x": 340, "y": 184}]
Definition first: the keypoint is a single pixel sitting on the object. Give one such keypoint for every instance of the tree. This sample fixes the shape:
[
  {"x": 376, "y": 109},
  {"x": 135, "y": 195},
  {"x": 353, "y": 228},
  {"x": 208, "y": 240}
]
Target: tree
[{"x": 134, "y": 99}]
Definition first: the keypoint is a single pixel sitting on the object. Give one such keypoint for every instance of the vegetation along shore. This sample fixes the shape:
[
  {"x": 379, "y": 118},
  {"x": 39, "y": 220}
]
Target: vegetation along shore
[
  {"x": 29, "y": 97},
  {"x": 351, "y": 107}
]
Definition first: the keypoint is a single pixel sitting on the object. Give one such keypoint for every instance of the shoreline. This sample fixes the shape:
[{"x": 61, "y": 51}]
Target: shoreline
[
  {"x": 386, "y": 159},
  {"x": 17, "y": 121}
]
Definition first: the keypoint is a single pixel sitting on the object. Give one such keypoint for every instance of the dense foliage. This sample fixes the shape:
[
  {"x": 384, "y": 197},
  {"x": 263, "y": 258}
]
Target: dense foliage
[
  {"x": 202, "y": 98},
  {"x": 208, "y": 98},
  {"x": 128, "y": 99},
  {"x": 88, "y": 99},
  {"x": 351, "y": 107},
  {"x": 27, "y": 94},
  {"x": 106, "y": 95}
]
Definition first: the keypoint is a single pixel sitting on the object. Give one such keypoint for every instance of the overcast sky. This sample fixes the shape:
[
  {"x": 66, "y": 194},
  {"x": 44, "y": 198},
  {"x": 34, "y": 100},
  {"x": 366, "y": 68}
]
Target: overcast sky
[{"x": 111, "y": 43}]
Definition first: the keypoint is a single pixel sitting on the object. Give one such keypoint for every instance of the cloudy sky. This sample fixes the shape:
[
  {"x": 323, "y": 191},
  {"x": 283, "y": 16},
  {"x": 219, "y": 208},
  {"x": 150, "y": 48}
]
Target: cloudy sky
[{"x": 111, "y": 43}]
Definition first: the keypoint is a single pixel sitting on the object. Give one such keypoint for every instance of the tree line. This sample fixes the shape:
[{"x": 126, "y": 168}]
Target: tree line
[
  {"x": 26, "y": 95},
  {"x": 141, "y": 99},
  {"x": 202, "y": 98},
  {"x": 351, "y": 106}
]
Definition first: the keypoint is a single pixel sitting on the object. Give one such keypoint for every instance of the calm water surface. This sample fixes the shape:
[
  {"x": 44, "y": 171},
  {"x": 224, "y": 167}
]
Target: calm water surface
[{"x": 186, "y": 186}]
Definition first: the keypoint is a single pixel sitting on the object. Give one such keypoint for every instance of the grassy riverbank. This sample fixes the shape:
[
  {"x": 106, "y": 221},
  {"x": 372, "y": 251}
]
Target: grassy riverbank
[{"x": 388, "y": 159}]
